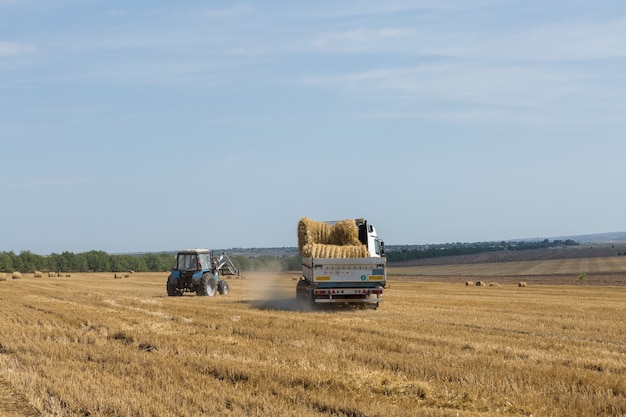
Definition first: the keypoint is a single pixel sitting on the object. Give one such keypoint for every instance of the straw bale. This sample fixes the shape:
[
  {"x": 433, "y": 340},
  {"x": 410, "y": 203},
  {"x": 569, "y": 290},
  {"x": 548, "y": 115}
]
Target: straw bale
[
  {"x": 16, "y": 275},
  {"x": 469, "y": 282},
  {"x": 322, "y": 240},
  {"x": 38, "y": 274},
  {"x": 480, "y": 283},
  {"x": 522, "y": 284},
  {"x": 320, "y": 250},
  {"x": 311, "y": 232},
  {"x": 3, "y": 277},
  {"x": 344, "y": 232}
]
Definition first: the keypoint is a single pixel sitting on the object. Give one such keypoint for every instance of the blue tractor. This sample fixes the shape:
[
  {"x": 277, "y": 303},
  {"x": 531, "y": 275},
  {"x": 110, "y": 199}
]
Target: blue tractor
[{"x": 198, "y": 270}]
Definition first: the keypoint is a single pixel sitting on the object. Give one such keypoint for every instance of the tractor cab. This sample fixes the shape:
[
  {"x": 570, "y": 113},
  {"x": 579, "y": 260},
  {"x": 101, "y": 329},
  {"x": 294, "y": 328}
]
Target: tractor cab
[{"x": 193, "y": 261}]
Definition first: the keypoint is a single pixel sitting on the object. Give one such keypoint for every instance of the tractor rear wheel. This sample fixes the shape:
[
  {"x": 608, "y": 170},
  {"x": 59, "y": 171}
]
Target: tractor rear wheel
[
  {"x": 171, "y": 290},
  {"x": 171, "y": 287},
  {"x": 208, "y": 286}
]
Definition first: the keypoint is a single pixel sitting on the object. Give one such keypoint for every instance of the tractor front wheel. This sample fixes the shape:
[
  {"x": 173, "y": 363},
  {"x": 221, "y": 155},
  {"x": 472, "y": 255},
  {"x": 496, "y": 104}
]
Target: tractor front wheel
[{"x": 222, "y": 287}]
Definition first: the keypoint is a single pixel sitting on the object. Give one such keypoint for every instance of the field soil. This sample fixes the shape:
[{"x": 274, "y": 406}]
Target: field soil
[
  {"x": 92, "y": 345},
  {"x": 13, "y": 404},
  {"x": 579, "y": 266}
]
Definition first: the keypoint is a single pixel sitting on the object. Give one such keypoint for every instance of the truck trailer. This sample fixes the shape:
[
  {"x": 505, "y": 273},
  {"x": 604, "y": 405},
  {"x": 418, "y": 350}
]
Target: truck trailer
[{"x": 342, "y": 262}]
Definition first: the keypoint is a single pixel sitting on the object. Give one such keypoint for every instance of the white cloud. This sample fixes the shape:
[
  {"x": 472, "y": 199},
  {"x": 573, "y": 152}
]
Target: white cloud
[
  {"x": 359, "y": 38},
  {"x": 549, "y": 41},
  {"x": 483, "y": 90},
  {"x": 233, "y": 11},
  {"x": 116, "y": 12},
  {"x": 377, "y": 7},
  {"x": 44, "y": 182},
  {"x": 15, "y": 48}
]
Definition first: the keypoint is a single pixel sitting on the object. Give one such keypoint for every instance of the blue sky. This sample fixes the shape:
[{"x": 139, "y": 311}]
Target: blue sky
[{"x": 149, "y": 126}]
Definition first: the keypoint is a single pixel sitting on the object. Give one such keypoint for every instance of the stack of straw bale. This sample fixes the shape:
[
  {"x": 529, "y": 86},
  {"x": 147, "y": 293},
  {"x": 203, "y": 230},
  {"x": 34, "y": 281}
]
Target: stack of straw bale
[{"x": 323, "y": 240}]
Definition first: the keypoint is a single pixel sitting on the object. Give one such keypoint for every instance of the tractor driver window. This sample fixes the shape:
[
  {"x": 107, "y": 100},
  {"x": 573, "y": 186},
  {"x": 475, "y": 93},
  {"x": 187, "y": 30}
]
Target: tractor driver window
[
  {"x": 188, "y": 262},
  {"x": 205, "y": 261}
]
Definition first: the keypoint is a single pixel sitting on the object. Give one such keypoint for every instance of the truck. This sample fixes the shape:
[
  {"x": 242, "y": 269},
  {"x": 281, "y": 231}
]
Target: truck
[
  {"x": 354, "y": 280},
  {"x": 199, "y": 270}
]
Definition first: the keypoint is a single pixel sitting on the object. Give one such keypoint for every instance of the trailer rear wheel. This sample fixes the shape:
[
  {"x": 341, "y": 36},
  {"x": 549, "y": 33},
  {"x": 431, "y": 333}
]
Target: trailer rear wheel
[
  {"x": 208, "y": 286},
  {"x": 301, "y": 291}
]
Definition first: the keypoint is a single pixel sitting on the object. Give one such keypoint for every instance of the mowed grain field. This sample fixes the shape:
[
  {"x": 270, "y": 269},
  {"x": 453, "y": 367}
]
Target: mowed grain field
[{"x": 91, "y": 345}]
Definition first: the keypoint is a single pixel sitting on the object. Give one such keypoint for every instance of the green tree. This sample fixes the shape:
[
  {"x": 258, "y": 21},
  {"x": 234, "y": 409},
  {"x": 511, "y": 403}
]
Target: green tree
[
  {"x": 294, "y": 263},
  {"x": 6, "y": 263},
  {"x": 242, "y": 262},
  {"x": 79, "y": 263},
  {"x": 98, "y": 261},
  {"x": 28, "y": 260},
  {"x": 138, "y": 263},
  {"x": 158, "y": 262},
  {"x": 16, "y": 261}
]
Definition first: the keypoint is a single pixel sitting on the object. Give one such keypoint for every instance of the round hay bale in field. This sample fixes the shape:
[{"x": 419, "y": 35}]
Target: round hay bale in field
[
  {"x": 38, "y": 274},
  {"x": 469, "y": 282},
  {"x": 16, "y": 275},
  {"x": 52, "y": 274},
  {"x": 494, "y": 284},
  {"x": 480, "y": 284},
  {"x": 3, "y": 277},
  {"x": 522, "y": 284},
  {"x": 117, "y": 276},
  {"x": 68, "y": 275}
]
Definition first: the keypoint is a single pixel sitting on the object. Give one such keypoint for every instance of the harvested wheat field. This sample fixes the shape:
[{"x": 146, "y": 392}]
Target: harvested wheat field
[
  {"x": 603, "y": 271},
  {"x": 91, "y": 345}
]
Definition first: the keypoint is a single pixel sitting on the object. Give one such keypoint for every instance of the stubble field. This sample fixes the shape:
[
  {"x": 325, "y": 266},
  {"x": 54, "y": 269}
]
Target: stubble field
[{"x": 90, "y": 345}]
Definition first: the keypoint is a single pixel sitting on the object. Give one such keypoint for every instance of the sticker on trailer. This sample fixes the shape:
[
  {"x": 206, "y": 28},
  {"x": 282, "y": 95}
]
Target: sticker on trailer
[{"x": 337, "y": 272}]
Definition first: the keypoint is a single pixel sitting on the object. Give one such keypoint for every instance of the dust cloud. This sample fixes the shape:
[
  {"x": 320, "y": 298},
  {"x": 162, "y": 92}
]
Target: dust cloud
[{"x": 274, "y": 291}]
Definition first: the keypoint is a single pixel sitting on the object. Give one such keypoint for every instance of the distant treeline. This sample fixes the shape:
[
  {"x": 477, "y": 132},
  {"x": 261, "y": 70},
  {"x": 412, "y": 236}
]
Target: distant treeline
[
  {"x": 93, "y": 261},
  {"x": 99, "y": 261},
  {"x": 398, "y": 253}
]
